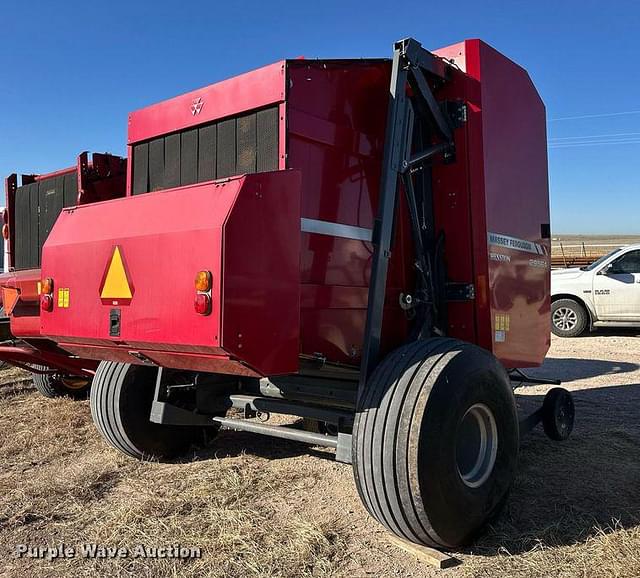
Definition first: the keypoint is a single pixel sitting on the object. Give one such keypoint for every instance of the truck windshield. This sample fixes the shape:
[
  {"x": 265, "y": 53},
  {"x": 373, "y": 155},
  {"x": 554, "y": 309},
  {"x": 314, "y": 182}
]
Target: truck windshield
[{"x": 601, "y": 260}]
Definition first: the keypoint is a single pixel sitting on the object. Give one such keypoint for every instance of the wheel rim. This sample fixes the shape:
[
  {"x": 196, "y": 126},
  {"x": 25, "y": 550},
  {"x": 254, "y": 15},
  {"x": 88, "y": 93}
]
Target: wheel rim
[
  {"x": 564, "y": 415},
  {"x": 476, "y": 445},
  {"x": 565, "y": 318},
  {"x": 74, "y": 383}
]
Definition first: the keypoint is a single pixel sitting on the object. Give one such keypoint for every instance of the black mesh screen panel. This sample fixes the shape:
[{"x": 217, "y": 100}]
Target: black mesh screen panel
[
  {"x": 22, "y": 224},
  {"x": 267, "y": 140},
  {"x": 207, "y": 153},
  {"x": 247, "y": 143},
  {"x": 141, "y": 168},
  {"x": 50, "y": 202},
  {"x": 172, "y": 161},
  {"x": 226, "y": 148},
  {"x": 70, "y": 190},
  {"x": 34, "y": 240},
  {"x": 156, "y": 165},
  {"x": 189, "y": 157},
  {"x": 37, "y": 206}
]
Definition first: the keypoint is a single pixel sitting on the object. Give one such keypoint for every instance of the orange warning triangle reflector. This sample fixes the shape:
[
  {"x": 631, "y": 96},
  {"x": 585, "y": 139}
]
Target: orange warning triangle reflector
[
  {"x": 116, "y": 282},
  {"x": 10, "y": 299}
]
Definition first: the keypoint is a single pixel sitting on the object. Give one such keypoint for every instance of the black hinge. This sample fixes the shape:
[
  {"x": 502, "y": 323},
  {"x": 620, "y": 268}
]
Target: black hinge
[
  {"x": 455, "y": 111},
  {"x": 460, "y": 291}
]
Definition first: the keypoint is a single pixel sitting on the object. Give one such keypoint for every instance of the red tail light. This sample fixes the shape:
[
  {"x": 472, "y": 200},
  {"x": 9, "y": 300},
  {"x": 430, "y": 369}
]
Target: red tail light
[
  {"x": 46, "y": 302},
  {"x": 5, "y": 231},
  {"x": 202, "y": 304}
]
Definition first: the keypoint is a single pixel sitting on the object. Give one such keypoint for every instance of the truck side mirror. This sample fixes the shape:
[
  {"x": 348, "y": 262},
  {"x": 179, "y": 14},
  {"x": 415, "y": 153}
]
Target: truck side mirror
[{"x": 607, "y": 270}]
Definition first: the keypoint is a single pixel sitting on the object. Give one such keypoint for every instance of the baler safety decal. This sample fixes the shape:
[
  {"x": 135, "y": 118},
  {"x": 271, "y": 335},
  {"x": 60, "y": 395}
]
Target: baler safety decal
[
  {"x": 116, "y": 284},
  {"x": 516, "y": 244}
]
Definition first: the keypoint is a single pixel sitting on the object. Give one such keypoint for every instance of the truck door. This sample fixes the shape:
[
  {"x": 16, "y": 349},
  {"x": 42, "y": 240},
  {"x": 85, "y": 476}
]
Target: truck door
[{"x": 616, "y": 289}]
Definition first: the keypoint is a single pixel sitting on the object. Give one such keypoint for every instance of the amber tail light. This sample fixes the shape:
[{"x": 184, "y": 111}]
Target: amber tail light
[{"x": 202, "y": 301}]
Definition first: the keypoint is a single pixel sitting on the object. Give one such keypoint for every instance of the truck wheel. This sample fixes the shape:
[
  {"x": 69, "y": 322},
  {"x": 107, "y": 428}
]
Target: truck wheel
[
  {"x": 568, "y": 318},
  {"x": 121, "y": 399},
  {"x": 57, "y": 385},
  {"x": 435, "y": 441}
]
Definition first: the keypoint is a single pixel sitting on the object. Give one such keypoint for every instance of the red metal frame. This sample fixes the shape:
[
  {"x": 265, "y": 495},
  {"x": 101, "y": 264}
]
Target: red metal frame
[
  {"x": 10, "y": 186},
  {"x": 58, "y": 173},
  {"x": 26, "y": 357}
]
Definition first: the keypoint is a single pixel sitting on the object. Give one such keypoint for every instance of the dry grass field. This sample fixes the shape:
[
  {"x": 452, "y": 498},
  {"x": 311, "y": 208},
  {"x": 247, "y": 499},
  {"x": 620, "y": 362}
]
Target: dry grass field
[{"x": 261, "y": 507}]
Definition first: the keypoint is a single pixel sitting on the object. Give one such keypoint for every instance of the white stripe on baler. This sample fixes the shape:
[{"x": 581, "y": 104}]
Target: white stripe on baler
[{"x": 335, "y": 229}]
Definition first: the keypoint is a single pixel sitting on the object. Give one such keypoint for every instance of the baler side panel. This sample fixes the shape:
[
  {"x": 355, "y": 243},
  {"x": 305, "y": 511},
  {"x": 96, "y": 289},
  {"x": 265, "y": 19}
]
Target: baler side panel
[
  {"x": 336, "y": 124},
  {"x": 516, "y": 208},
  {"x": 453, "y": 214},
  {"x": 261, "y": 273},
  {"x": 164, "y": 239}
]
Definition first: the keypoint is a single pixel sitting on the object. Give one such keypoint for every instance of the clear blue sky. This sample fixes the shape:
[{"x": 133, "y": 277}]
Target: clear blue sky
[{"x": 71, "y": 71}]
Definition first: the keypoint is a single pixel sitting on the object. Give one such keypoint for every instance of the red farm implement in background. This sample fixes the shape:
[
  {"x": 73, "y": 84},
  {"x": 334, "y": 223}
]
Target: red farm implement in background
[
  {"x": 32, "y": 209},
  {"x": 369, "y": 241}
]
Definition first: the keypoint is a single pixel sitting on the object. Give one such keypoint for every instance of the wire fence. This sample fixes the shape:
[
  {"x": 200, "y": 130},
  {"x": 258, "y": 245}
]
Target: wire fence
[{"x": 578, "y": 254}]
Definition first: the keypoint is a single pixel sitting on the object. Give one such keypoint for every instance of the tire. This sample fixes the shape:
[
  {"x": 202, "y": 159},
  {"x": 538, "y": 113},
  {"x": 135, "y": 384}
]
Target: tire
[
  {"x": 121, "y": 399},
  {"x": 568, "y": 318},
  {"x": 558, "y": 414},
  {"x": 408, "y": 440},
  {"x": 58, "y": 385}
]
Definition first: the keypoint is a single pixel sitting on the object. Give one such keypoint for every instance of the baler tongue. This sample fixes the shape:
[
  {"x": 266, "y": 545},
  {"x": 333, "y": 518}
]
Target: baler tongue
[{"x": 134, "y": 262}]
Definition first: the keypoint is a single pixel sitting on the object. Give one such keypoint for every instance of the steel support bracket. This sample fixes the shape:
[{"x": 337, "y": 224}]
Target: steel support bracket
[
  {"x": 460, "y": 291},
  {"x": 343, "y": 450},
  {"x": 413, "y": 67}
]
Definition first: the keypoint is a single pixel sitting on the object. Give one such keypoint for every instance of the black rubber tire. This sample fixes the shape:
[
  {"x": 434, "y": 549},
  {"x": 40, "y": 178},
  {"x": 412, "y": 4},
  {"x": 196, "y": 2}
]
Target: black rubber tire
[
  {"x": 53, "y": 385},
  {"x": 582, "y": 318},
  {"x": 558, "y": 414},
  {"x": 404, "y": 441},
  {"x": 121, "y": 399}
]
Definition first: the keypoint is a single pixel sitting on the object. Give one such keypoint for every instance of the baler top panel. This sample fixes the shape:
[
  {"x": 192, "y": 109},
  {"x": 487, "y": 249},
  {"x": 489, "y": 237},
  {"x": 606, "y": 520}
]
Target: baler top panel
[{"x": 223, "y": 99}]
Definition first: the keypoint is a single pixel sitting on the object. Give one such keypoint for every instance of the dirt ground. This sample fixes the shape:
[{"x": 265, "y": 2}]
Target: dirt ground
[{"x": 261, "y": 507}]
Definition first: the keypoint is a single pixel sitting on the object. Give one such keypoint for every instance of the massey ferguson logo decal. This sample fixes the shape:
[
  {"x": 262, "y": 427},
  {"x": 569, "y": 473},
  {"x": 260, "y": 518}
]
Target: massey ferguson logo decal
[{"x": 196, "y": 106}]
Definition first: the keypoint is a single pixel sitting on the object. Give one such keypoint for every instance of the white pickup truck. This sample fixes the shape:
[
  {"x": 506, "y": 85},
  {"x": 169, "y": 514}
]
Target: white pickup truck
[{"x": 605, "y": 293}]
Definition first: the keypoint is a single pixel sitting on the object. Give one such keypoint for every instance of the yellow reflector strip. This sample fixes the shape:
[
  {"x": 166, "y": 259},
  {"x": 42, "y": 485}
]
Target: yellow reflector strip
[
  {"x": 116, "y": 284},
  {"x": 63, "y": 297}
]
